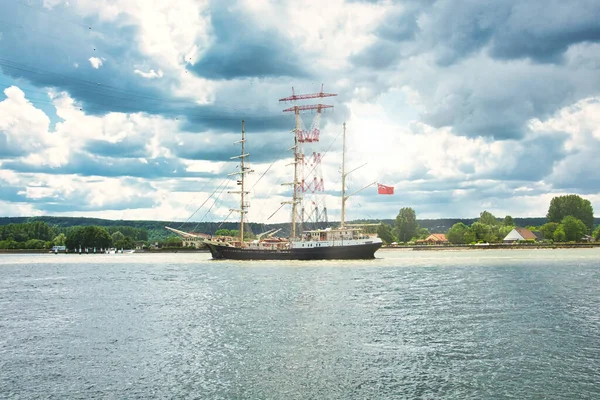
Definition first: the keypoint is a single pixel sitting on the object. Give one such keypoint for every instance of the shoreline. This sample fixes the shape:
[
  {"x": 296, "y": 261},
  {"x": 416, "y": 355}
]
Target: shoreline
[
  {"x": 497, "y": 246},
  {"x": 37, "y": 251}
]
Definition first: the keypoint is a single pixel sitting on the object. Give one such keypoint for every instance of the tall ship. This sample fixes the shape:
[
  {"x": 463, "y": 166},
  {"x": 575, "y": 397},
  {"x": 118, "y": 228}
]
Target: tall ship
[{"x": 345, "y": 242}]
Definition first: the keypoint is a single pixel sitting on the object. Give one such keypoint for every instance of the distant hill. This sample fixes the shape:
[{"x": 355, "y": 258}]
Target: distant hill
[{"x": 156, "y": 230}]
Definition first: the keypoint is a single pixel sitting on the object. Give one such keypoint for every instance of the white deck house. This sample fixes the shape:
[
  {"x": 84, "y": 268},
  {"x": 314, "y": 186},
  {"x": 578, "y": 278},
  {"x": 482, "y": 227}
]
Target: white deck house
[{"x": 519, "y": 234}]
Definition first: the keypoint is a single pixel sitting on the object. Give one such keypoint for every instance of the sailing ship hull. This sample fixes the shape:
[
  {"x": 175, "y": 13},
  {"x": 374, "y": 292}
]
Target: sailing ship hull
[{"x": 353, "y": 252}]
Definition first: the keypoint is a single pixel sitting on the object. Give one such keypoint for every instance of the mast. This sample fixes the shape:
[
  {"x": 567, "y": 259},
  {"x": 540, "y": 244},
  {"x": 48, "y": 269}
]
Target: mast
[
  {"x": 344, "y": 175},
  {"x": 241, "y": 182},
  {"x": 242, "y": 205},
  {"x": 344, "y": 198},
  {"x": 296, "y": 162},
  {"x": 300, "y": 136}
]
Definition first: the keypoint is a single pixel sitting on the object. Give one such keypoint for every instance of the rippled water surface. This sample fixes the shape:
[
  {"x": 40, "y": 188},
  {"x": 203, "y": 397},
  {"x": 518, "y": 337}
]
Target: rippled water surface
[{"x": 487, "y": 324}]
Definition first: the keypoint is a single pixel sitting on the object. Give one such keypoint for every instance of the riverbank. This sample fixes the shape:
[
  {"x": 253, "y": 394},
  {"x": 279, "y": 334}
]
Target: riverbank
[
  {"x": 498, "y": 246},
  {"x": 170, "y": 250}
]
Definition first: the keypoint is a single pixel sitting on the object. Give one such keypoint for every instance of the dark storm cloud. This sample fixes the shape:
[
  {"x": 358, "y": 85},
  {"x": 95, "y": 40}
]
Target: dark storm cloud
[
  {"x": 541, "y": 30},
  {"x": 536, "y": 159},
  {"x": 482, "y": 99},
  {"x": 229, "y": 122},
  {"x": 399, "y": 26},
  {"x": 244, "y": 49},
  {"x": 59, "y": 201},
  {"x": 73, "y": 201},
  {"x": 127, "y": 148},
  {"x": 444, "y": 58},
  {"x": 75, "y": 204},
  {"x": 380, "y": 55},
  {"x": 396, "y": 30},
  {"x": 263, "y": 149},
  {"x": 578, "y": 173},
  {"x": 7, "y": 150},
  {"x": 86, "y": 165},
  {"x": 58, "y": 55}
]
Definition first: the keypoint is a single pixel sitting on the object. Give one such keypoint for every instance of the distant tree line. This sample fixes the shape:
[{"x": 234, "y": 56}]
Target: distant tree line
[
  {"x": 570, "y": 218},
  {"x": 33, "y": 235},
  {"x": 40, "y": 235}
]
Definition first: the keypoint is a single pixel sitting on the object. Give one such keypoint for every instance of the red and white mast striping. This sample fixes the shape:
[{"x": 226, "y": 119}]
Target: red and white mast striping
[{"x": 307, "y": 170}]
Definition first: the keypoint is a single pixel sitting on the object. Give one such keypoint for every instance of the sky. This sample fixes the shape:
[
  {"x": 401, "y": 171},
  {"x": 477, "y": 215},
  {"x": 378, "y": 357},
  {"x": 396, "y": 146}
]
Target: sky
[{"x": 128, "y": 109}]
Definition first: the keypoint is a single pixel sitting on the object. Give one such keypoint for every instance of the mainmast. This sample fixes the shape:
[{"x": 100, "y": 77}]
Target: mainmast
[
  {"x": 241, "y": 182},
  {"x": 344, "y": 198},
  {"x": 296, "y": 196},
  {"x": 300, "y": 136}
]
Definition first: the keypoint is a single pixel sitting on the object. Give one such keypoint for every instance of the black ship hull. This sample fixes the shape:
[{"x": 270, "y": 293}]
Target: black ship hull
[{"x": 354, "y": 252}]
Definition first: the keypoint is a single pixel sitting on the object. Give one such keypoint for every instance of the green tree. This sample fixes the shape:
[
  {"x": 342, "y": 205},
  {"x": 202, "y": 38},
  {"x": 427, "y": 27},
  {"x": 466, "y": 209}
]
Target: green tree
[
  {"x": 470, "y": 236},
  {"x": 597, "y": 234},
  {"x": 406, "y": 224},
  {"x": 574, "y": 228},
  {"x": 487, "y": 218},
  {"x": 33, "y": 244},
  {"x": 173, "y": 241},
  {"x": 125, "y": 243},
  {"x": 503, "y": 231},
  {"x": 508, "y": 221},
  {"x": 384, "y": 231},
  {"x": 8, "y": 244},
  {"x": 26, "y": 231},
  {"x": 59, "y": 240},
  {"x": 483, "y": 232},
  {"x": 40, "y": 230},
  {"x": 117, "y": 236},
  {"x": 88, "y": 237},
  {"x": 574, "y": 206},
  {"x": 548, "y": 230},
  {"x": 227, "y": 232},
  {"x": 456, "y": 234},
  {"x": 134, "y": 233},
  {"x": 559, "y": 234},
  {"x": 423, "y": 233}
]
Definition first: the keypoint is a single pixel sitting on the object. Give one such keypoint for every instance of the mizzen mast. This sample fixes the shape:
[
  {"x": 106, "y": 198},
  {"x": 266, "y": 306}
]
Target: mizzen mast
[{"x": 344, "y": 175}]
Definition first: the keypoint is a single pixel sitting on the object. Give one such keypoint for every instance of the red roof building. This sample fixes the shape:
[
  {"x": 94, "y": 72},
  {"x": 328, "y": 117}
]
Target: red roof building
[{"x": 436, "y": 238}]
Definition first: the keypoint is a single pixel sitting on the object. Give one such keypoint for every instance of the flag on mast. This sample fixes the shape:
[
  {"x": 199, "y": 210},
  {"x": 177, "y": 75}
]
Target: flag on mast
[{"x": 383, "y": 189}]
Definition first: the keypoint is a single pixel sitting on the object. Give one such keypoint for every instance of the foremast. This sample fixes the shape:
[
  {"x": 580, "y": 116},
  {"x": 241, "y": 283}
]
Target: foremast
[{"x": 244, "y": 204}]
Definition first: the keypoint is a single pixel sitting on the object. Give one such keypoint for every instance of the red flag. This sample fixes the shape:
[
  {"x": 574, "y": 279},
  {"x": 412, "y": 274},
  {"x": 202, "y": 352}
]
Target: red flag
[{"x": 382, "y": 189}]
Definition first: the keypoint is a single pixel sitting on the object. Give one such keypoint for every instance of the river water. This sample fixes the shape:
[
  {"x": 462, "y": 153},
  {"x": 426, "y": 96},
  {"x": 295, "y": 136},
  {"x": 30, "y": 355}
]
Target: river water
[{"x": 493, "y": 324}]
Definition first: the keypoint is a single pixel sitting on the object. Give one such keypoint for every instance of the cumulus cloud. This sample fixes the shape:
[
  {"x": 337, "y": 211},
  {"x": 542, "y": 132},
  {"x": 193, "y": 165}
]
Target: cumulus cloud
[
  {"x": 96, "y": 62},
  {"x": 460, "y": 105},
  {"x": 150, "y": 74},
  {"x": 580, "y": 123}
]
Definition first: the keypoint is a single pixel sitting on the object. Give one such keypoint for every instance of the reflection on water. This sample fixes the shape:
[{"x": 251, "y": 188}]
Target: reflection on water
[{"x": 452, "y": 324}]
